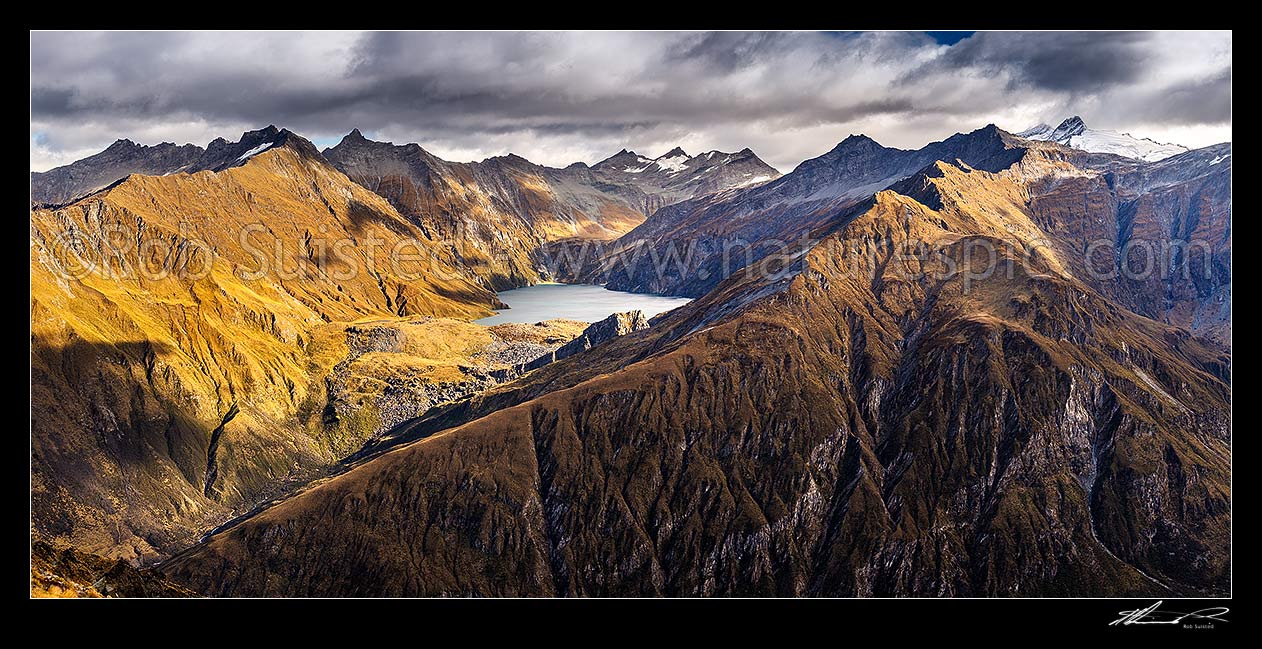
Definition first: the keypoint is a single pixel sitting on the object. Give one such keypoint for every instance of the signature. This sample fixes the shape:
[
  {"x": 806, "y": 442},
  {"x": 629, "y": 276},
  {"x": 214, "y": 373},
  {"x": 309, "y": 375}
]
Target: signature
[{"x": 1152, "y": 615}]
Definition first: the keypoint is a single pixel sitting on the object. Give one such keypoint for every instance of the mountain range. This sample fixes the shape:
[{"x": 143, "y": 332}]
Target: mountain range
[
  {"x": 1122, "y": 206},
  {"x": 923, "y": 374},
  {"x": 496, "y": 214}
]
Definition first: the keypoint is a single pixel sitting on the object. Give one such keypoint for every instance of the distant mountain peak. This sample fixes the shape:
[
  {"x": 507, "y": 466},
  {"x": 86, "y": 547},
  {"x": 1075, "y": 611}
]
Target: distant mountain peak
[
  {"x": 990, "y": 129},
  {"x": 354, "y": 135},
  {"x": 124, "y": 157},
  {"x": 1074, "y": 123},
  {"x": 222, "y": 154},
  {"x": 856, "y": 143},
  {"x": 621, "y": 159},
  {"x": 674, "y": 153}
]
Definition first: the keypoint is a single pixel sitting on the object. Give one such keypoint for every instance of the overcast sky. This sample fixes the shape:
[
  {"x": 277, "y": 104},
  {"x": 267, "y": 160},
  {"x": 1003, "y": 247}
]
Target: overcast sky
[{"x": 556, "y": 98}]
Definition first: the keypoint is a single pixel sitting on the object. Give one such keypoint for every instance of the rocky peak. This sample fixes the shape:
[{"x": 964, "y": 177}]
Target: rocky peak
[
  {"x": 674, "y": 153},
  {"x": 855, "y": 145},
  {"x": 1069, "y": 128},
  {"x": 624, "y": 153},
  {"x": 222, "y": 154},
  {"x": 617, "y": 324},
  {"x": 621, "y": 160}
]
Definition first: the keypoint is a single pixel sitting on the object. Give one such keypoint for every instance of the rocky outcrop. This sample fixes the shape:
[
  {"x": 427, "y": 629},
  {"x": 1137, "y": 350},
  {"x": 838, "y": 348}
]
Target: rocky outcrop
[
  {"x": 617, "y": 324},
  {"x": 396, "y": 370}
]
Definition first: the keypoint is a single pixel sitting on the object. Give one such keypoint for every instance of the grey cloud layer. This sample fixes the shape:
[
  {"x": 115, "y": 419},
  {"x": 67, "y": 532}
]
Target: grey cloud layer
[{"x": 559, "y": 97}]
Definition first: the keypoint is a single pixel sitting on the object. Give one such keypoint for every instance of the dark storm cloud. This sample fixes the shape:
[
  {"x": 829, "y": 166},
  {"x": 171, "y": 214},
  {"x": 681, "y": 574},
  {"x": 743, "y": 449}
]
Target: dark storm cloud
[
  {"x": 52, "y": 101},
  {"x": 727, "y": 51},
  {"x": 1059, "y": 61},
  {"x": 557, "y": 97}
]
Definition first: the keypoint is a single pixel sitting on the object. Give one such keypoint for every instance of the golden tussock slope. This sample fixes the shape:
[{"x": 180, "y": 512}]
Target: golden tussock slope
[{"x": 182, "y": 328}]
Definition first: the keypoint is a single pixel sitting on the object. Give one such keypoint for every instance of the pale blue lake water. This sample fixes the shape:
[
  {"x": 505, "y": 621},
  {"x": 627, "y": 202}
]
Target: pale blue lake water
[{"x": 584, "y": 302}]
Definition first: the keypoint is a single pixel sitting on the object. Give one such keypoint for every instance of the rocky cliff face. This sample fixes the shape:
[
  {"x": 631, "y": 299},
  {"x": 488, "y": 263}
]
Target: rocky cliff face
[
  {"x": 1155, "y": 238},
  {"x": 121, "y": 159},
  {"x": 915, "y": 429}
]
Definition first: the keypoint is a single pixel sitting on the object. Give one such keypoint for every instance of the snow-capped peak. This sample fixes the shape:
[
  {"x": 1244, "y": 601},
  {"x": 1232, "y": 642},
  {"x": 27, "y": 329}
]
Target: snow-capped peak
[
  {"x": 639, "y": 165},
  {"x": 1036, "y": 133},
  {"x": 1074, "y": 133}
]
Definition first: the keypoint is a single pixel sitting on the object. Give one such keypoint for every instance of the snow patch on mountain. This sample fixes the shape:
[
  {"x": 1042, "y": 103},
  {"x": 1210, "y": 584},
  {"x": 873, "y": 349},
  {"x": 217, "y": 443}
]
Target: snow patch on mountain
[
  {"x": 673, "y": 164},
  {"x": 255, "y": 151},
  {"x": 754, "y": 181}
]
